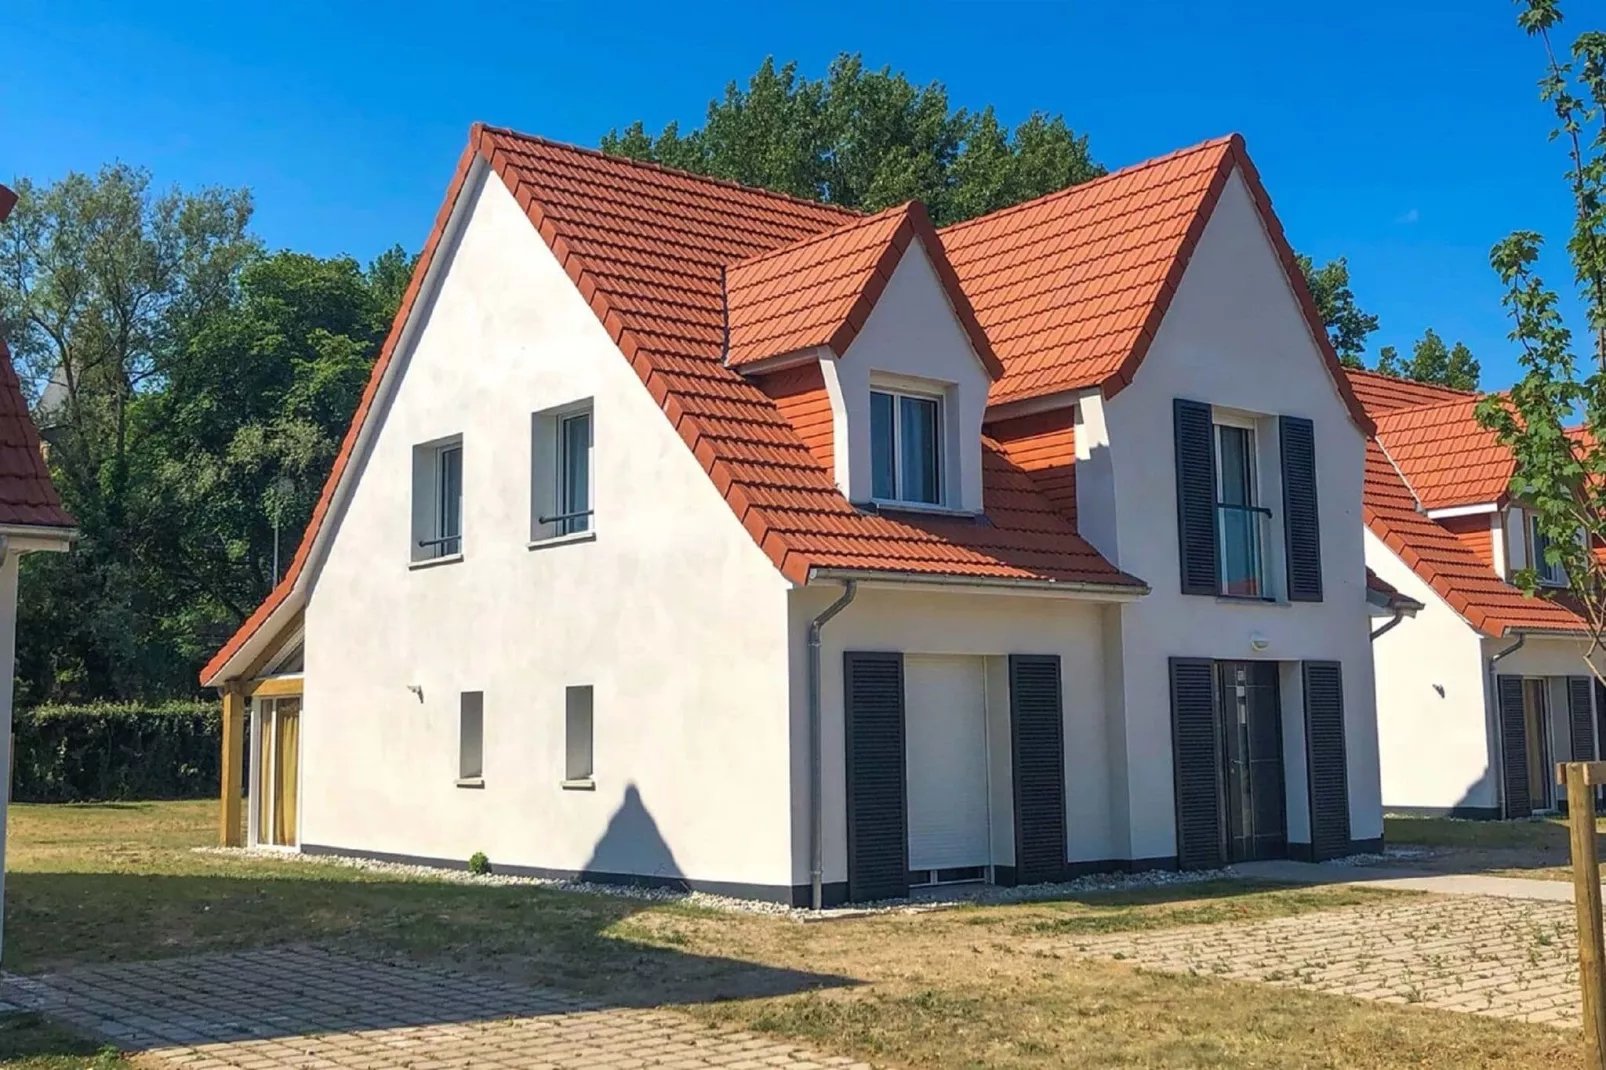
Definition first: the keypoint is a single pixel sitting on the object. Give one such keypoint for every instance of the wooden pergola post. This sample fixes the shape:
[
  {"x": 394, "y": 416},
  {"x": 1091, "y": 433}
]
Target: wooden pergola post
[
  {"x": 232, "y": 768},
  {"x": 1581, "y": 779}
]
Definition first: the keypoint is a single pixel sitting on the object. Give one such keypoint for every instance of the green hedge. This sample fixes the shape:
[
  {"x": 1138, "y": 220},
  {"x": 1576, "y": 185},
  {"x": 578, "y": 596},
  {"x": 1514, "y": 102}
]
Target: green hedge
[{"x": 116, "y": 751}]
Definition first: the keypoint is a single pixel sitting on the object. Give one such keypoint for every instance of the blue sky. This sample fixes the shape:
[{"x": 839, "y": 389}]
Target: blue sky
[{"x": 1405, "y": 136}]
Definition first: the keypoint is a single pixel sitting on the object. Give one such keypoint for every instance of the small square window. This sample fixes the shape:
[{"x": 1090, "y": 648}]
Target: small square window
[
  {"x": 561, "y": 472},
  {"x": 577, "y": 733},
  {"x": 471, "y": 736},
  {"x": 905, "y": 448},
  {"x": 437, "y": 500}
]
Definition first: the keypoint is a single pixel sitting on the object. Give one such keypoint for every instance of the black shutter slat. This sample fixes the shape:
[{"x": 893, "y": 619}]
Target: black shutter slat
[
  {"x": 1037, "y": 735},
  {"x": 1302, "y": 533},
  {"x": 1581, "y": 717},
  {"x": 1196, "y": 764},
  {"x": 878, "y": 827},
  {"x": 1326, "y": 760},
  {"x": 1513, "y": 746},
  {"x": 1196, "y": 496}
]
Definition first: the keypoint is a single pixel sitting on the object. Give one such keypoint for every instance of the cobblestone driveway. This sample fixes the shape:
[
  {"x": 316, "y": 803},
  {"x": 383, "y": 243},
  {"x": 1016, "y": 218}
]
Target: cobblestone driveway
[
  {"x": 1506, "y": 958},
  {"x": 312, "y": 1010}
]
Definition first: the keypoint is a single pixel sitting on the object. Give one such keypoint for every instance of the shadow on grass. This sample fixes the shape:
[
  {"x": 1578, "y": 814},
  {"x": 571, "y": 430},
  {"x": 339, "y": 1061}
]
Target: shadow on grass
[
  {"x": 35, "y": 1042},
  {"x": 1474, "y": 847}
]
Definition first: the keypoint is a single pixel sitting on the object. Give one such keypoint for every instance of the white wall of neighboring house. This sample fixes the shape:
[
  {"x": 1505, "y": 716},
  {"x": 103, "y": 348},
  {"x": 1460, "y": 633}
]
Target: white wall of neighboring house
[
  {"x": 1435, "y": 739},
  {"x": 912, "y": 332},
  {"x": 954, "y": 622},
  {"x": 671, "y": 613},
  {"x": 1235, "y": 337}
]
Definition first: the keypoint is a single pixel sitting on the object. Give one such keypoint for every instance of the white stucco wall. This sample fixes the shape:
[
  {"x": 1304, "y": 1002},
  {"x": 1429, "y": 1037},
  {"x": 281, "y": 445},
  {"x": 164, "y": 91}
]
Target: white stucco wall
[
  {"x": 1233, "y": 337},
  {"x": 937, "y": 622},
  {"x": 1435, "y": 739},
  {"x": 912, "y": 331},
  {"x": 671, "y": 613}
]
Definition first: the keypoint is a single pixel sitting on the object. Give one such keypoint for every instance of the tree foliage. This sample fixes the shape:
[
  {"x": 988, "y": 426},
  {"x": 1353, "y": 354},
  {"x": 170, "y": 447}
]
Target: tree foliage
[
  {"x": 1347, "y": 326},
  {"x": 1560, "y": 473},
  {"x": 867, "y": 139},
  {"x": 1431, "y": 361},
  {"x": 192, "y": 390}
]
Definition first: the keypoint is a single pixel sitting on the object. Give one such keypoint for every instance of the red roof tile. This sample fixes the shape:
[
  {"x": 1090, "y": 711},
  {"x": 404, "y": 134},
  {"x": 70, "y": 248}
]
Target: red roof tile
[
  {"x": 27, "y": 497},
  {"x": 1448, "y": 457},
  {"x": 648, "y": 248},
  {"x": 1072, "y": 287},
  {"x": 1381, "y": 393}
]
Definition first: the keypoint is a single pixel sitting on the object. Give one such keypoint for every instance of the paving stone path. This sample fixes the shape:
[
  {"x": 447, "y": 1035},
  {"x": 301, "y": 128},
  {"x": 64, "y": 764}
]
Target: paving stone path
[
  {"x": 313, "y": 1010},
  {"x": 1506, "y": 958}
]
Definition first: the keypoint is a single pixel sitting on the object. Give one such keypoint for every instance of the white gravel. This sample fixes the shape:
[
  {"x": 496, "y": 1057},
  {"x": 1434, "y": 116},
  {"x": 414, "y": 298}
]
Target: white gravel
[{"x": 923, "y": 899}]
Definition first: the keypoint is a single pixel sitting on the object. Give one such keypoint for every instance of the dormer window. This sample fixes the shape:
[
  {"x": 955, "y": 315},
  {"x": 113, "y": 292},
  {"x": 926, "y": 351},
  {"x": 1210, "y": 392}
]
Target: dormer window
[
  {"x": 906, "y": 447},
  {"x": 1551, "y": 573}
]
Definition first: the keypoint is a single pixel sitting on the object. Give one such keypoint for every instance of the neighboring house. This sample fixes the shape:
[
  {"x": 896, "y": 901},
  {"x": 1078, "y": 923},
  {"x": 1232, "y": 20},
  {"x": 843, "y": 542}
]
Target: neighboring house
[
  {"x": 1487, "y": 687},
  {"x": 31, "y": 519},
  {"x": 698, "y": 535}
]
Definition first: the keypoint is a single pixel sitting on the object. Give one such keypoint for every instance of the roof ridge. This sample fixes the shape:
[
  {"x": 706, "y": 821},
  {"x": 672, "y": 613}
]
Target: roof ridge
[
  {"x": 827, "y": 235},
  {"x": 1411, "y": 382},
  {"x": 664, "y": 168},
  {"x": 1082, "y": 187}
]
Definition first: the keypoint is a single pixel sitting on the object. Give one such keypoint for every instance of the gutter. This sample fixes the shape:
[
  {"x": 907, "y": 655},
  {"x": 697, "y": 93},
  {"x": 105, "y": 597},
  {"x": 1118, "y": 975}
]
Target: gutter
[
  {"x": 816, "y": 802},
  {"x": 1494, "y": 703},
  {"x": 1121, "y": 592},
  {"x": 1399, "y": 615}
]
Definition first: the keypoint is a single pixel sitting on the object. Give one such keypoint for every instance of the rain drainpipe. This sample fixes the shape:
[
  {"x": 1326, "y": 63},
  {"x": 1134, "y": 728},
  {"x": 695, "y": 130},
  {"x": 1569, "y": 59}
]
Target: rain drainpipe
[
  {"x": 1494, "y": 697},
  {"x": 816, "y": 803},
  {"x": 1399, "y": 615}
]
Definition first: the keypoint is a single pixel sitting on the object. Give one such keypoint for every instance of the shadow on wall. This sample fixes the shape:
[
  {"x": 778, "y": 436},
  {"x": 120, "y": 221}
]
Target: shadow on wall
[{"x": 633, "y": 847}]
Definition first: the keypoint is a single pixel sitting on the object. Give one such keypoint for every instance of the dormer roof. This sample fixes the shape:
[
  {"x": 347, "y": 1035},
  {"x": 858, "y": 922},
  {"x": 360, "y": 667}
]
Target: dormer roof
[{"x": 819, "y": 292}]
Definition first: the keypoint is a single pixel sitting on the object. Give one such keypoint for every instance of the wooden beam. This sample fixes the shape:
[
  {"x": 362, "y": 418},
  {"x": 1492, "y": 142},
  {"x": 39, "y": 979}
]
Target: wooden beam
[
  {"x": 1587, "y": 905},
  {"x": 232, "y": 768},
  {"x": 1594, "y": 773},
  {"x": 273, "y": 686}
]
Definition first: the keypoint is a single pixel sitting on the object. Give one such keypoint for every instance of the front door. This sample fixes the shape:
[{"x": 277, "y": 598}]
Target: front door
[
  {"x": 1536, "y": 728},
  {"x": 277, "y": 772},
  {"x": 1252, "y": 756}
]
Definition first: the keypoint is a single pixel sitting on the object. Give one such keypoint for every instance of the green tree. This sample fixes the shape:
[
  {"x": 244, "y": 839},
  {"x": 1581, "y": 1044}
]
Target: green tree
[
  {"x": 1433, "y": 362},
  {"x": 1560, "y": 471},
  {"x": 867, "y": 139},
  {"x": 1347, "y": 326}
]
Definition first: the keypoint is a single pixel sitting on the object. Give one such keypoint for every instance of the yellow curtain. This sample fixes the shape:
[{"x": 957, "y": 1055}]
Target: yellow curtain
[
  {"x": 287, "y": 741},
  {"x": 261, "y": 784}
]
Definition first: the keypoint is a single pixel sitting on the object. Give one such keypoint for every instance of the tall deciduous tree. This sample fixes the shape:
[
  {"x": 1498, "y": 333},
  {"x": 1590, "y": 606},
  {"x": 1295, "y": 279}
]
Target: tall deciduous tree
[
  {"x": 867, "y": 139},
  {"x": 1347, "y": 326},
  {"x": 1560, "y": 470},
  {"x": 1432, "y": 361}
]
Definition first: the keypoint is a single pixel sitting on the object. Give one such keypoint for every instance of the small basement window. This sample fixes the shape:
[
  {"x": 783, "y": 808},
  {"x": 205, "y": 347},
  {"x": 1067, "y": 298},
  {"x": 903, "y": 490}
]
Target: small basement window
[
  {"x": 577, "y": 731},
  {"x": 905, "y": 447},
  {"x": 438, "y": 499},
  {"x": 471, "y": 736},
  {"x": 561, "y": 472}
]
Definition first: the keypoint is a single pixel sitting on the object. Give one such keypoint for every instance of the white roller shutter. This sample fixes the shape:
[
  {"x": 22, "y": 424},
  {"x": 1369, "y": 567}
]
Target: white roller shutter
[{"x": 946, "y": 747}]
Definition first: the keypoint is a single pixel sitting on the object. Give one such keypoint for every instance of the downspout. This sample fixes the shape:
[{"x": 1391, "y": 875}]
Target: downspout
[
  {"x": 816, "y": 803},
  {"x": 1494, "y": 703},
  {"x": 1399, "y": 615}
]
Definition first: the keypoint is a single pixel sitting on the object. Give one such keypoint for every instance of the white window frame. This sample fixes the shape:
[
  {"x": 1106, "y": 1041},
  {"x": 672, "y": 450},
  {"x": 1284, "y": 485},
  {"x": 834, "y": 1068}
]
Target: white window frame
[
  {"x": 550, "y": 523},
  {"x": 574, "y": 777},
  {"x": 897, "y": 394},
  {"x": 1536, "y": 560},
  {"x": 470, "y": 774},
  {"x": 429, "y": 541},
  {"x": 1257, "y": 499}
]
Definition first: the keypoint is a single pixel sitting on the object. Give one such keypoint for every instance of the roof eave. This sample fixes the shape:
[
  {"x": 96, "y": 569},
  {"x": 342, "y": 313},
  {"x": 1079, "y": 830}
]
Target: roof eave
[{"x": 1079, "y": 589}]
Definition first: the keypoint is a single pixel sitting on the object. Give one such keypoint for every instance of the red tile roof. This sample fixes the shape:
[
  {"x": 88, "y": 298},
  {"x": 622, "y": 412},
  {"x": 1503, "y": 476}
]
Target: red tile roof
[
  {"x": 1448, "y": 457},
  {"x": 27, "y": 497},
  {"x": 1072, "y": 287},
  {"x": 1381, "y": 393},
  {"x": 647, "y": 247},
  {"x": 1390, "y": 594},
  {"x": 1439, "y": 556},
  {"x": 819, "y": 291}
]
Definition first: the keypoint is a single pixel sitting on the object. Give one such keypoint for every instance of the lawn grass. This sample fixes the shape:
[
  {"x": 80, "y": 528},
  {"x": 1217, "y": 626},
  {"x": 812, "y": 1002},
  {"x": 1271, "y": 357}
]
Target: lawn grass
[
  {"x": 972, "y": 987},
  {"x": 1546, "y": 834},
  {"x": 31, "y": 1042}
]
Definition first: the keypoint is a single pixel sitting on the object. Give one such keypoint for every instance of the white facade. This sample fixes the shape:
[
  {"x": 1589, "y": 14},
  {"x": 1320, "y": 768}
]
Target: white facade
[{"x": 694, "y": 644}]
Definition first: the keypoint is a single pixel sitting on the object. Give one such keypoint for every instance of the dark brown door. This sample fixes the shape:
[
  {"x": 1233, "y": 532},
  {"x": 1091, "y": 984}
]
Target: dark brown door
[{"x": 1252, "y": 758}]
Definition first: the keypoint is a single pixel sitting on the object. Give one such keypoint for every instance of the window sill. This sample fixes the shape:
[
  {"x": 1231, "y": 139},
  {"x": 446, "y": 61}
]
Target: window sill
[
  {"x": 471, "y": 782},
  {"x": 583, "y": 784},
  {"x": 1250, "y": 600},
  {"x": 431, "y": 562},
  {"x": 882, "y": 505},
  {"x": 589, "y": 535}
]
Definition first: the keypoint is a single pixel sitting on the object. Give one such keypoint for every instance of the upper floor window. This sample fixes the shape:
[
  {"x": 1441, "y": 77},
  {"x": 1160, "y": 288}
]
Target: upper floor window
[
  {"x": 1241, "y": 521},
  {"x": 905, "y": 447},
  {"x": 438, "y": 499},
  {"x": 561, "y": 466},
  {"x": 1550, "y": 574}
]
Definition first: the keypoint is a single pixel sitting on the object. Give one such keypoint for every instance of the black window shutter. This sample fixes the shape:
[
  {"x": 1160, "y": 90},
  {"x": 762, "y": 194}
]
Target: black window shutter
[
  {"x": 1196, "y": 764},
  {"x": 1037, "y": 738},
  {"x": 1326, "y": 760},
  {"x": 878, "y": 828},
  {"x": 1196, "y": 496},
  {"x": 1302, "y": 533},
  {"x": 1513, "y": 746},
  {"x": 1581, "y": 717}
]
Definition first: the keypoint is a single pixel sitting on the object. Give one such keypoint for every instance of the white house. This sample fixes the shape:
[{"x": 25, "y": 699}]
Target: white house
[
  {"x": 31, "y": 519},
  {"x": 1488, "y": 687},
  {"x": 696, "y": 535}
]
